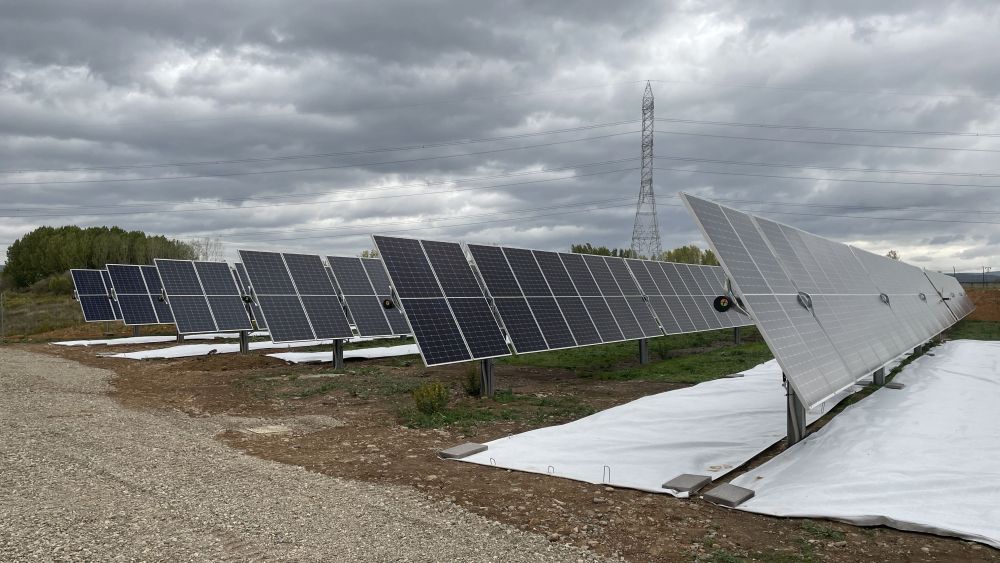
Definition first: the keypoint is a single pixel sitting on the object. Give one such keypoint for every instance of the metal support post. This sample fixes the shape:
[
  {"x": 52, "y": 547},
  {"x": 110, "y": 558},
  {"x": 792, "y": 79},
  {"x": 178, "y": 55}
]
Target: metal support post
[
  {"x": 737, "y": 336},
  {"x": 643, "y": 351},
  {"x": 486, "y": 384},
  {"x": 878, "y": 378},
  {"x": 180, "y": 337},
  {"x": 244, "y": 342},
  {"x": 338, "y": 354},
  {"x": 796, "y": 416},
  {"x": 135, "y": 330}
]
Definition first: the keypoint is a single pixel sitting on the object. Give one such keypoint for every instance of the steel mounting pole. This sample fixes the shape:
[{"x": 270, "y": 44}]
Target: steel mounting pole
[
  {"x": 643, "y": 351},
  {"x": 338, "y": 354},
  {"x": 796, "y": 416},
  {"x": 487, "y": 384}
]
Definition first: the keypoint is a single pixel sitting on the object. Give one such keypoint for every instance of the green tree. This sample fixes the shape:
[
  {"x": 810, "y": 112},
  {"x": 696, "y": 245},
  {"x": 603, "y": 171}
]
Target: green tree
[
  {"x": 690, "y": 254},
  {"x": 587, "y": 248},
  {"x": 53, "y": 250}
]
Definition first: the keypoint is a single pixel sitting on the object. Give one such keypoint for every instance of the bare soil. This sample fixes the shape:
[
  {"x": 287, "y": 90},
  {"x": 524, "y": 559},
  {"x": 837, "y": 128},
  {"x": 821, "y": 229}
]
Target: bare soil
[{"x": 371, "y": 400}]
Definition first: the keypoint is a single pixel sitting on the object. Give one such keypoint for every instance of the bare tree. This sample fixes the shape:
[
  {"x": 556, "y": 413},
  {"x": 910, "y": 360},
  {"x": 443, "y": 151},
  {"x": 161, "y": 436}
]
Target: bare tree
[
  {"x": 373, "y": 253},
  {"x": 208, "y": 249},
  {"x": 892, "y": 254}
]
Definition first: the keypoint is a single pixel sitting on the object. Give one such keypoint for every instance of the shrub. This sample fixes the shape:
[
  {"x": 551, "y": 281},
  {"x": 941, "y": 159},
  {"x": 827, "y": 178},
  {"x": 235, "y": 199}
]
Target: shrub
[
  {"x": 431, "y": 397},
  {"x": 473, "y": 384}
]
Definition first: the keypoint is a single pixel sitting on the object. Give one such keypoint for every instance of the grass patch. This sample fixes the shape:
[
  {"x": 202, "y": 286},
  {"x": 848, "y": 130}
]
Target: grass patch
[
  {"x": 505, "y": 405},
  {"x": 28, "y": 313},
  {"x": 822, "y": 531},
  {"x": 698, "y": 367},
  {"x": 602, "y": 357},
  {"x": 975, "y": 330}
]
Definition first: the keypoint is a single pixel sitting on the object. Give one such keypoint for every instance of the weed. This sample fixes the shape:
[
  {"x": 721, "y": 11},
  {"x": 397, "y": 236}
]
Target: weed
[
  {"x": 431, "y": 398},
  {"x": 472, "y": 383},
  {"x": 822, "y": 531}
]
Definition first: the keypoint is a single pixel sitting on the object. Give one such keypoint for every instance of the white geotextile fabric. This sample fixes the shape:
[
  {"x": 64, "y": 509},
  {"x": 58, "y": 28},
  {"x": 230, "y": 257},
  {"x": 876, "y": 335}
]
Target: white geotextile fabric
[
  {"x": 154, "y": 339},
  {"x": 192, "y": 350},
  {"x": 366, "y": 353},
  {"x": 923, "y": 458},
  {"x": 707, "y": 429}
]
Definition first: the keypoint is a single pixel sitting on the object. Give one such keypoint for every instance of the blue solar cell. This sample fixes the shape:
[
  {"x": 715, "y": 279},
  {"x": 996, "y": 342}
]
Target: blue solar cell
[
  {"x": 480, "y": 329},
  {"x": 495, "y": 271},
  {"x": 216, "y": 278},
  {"x": 521, "y": 326},
  {"x": 368, "y": 315},
  {"x": 96, "y": 308},
  {"x": 434, "y": 329},
  {"x": 408, "y": 268},
  {"x": 452, "y": 269}
]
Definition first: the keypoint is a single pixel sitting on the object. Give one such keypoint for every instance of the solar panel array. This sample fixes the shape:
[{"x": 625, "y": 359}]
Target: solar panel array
[
  {"x": 133, "y": 296},
  {"x": 442, "y": 299},
  {"x": 830, "y": 313},
  {"x": 93, "y": 295},
  {"x": 296, "y": 297},
  {"x": 952, "y": 292},
  {"x": 203, "y": 296},
  {"x": 682, "y": 295},
  {"x": 363, "y": 301},
  {"x": 544, "y": 300},
  {"x": 244, "y": 281}
]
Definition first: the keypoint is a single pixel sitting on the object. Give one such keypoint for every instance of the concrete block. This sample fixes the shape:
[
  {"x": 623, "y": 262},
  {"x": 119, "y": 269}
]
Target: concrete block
[
  {"x": 728, "y": 495},
  {"x": 894, "y": 385},
  {"x": 464, "y": 450},
  {"x": 687, "y": 483}
]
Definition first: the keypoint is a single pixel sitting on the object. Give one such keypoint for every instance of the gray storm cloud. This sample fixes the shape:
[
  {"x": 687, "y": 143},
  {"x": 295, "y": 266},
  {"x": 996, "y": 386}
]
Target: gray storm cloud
[{"x": 270, "y": 125}]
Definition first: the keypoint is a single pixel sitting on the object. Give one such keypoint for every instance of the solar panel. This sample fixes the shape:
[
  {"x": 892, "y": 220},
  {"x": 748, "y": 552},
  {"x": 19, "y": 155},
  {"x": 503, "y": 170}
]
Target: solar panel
[
  {"x": 380, "y": 281},
  {"x": 185, "y": 296},
  {"x": 364, "y": 302},
  {"x": 318, "y": 295},
  {"x": 152, "y": 278},
  {"x": 633, "y": 296},
  {"x": 297, "y": 299},
  {"x": 830, "y": 313},
  {"x": 441, "y": 298},
  {"x": 93, "y": 295},
  {"x": 592, "y": 298},
  {"x": 256, "y": 316},
  {"x": 114, "y": 304},
  {"x": 132, "y": 295},
  {"x": 224, "y": 297},
  {"x": 203, "y": 296}
]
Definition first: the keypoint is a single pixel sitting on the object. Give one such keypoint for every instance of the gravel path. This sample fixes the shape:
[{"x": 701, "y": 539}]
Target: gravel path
[{"x": 83, "y": 478}]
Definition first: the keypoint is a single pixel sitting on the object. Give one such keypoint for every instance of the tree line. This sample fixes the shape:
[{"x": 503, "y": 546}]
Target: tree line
[
  {"x": 48, "y": 251},
  {"x": 689, "y": 254}
]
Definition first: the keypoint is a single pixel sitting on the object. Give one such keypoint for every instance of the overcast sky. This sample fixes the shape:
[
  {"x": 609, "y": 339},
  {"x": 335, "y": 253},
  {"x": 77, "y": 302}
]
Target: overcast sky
[{"x": 231, "y": 119}]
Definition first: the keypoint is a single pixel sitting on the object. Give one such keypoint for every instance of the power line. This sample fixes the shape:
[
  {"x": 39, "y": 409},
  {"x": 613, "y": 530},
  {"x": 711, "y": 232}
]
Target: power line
[
  {"x": 342, "y": 190},
  {"x": 425, "y": 219},
  {"x": 835, "y": 143},
  {"x": 819, "y": 128},
  {"x": 992, "y": 96},
  {"x": 514, "y": 219},
  {"x": 322, "y": 155},
  {"x": 814, "y": 179},
  {"x": 331, "y": 167},
  {"x": 830, "y": 168},
  {"x": 351, "y": 200}
]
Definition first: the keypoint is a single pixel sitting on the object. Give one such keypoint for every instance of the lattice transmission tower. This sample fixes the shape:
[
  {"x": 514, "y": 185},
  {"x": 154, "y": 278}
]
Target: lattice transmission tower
[{"x": 646, "y": 231}]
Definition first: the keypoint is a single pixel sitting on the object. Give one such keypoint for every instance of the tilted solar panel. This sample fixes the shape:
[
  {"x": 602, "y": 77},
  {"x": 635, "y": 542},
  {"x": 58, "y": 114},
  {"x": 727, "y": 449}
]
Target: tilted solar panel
[
  {"x": 114, "y": 304},
  {"x": 363, "y": 303},
  {"x": 830, "y": 313},
  {"x": 93, "y": 295},
  {"x": 132, "y": 295},
  {"x": 294, "y": 314},
  {"x": 185, "y": 296},
  {"x": 152, "y": 278},
  {"x": 439, "y": 295},
  {"x": 318, "y": 295},
  {"x": 244, "y": 281}
]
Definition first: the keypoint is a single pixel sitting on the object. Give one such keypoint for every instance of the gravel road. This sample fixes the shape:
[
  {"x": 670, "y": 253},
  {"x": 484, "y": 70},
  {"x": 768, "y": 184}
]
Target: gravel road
[{"x": 83, "y": 478}]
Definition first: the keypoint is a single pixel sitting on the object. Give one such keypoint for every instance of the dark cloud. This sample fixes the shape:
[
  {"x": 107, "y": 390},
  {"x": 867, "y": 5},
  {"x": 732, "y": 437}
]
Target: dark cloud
[{"x": 107, "y": 84}]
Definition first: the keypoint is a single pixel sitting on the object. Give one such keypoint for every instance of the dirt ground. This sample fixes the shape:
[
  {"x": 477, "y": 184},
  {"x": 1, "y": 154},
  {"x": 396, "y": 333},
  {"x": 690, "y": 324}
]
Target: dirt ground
[{"x": 381, "y": 439}]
